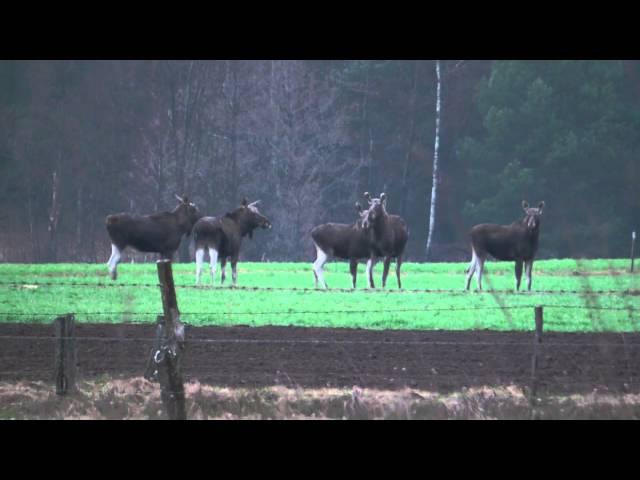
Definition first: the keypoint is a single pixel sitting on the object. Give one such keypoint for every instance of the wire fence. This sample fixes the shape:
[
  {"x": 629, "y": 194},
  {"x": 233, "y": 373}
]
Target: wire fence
[
  {"x": 439, "y": 359},
  {"x": 567, "y": 364},
  {"x": 319, "y": 341},
  {"x": 585, "y": 292}
]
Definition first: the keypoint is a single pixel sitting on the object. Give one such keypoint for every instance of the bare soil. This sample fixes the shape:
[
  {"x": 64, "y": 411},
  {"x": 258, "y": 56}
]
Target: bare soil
[
  {"x": 441, "y": 361},
  {"x": 406, "y": 367}
]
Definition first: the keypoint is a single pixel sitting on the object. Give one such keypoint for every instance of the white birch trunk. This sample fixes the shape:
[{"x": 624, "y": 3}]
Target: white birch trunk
[{"x": 434, "y": 187}]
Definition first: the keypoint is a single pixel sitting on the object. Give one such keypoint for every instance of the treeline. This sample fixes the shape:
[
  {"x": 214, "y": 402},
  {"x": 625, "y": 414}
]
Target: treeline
[{"x": 81, "y": 139}]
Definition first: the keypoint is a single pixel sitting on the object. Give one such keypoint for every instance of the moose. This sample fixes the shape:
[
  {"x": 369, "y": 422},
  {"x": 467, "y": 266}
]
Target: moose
[
  {"x": 156, "y": 233},
  {"x": 222, "y": 236},
  {"x": 518, "y": 242},
  {"x": 388, "y": 236},
  {"x": 340, "y": 240}
]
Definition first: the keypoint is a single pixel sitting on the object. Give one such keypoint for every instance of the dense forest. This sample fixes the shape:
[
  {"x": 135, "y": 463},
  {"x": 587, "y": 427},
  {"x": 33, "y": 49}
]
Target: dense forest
[{"x": 82, "y": 139}]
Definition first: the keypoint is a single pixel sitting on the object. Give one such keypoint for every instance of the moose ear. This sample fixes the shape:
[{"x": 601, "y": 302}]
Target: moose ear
[
  {"x": 358, "y": 207},
  {"x": 244, "y": 202},
  {"x": 383, "y": 197},
  {"x": 525, "y": 204},
  {"x": 367, "y": 195},
  {"x": 541, "y": 206}
]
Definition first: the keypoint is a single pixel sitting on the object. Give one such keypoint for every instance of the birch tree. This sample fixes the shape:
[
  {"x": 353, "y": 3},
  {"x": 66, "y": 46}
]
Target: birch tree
[
  {"x": 436, "y": 149},
  {"x": 440, "y": 77}
]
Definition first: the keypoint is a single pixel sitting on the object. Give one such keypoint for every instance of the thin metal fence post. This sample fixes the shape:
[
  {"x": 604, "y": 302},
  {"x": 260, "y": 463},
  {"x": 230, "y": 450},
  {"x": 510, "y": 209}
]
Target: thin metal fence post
[
  {"x": 534, "y": 359},
  {"x": 65, "y": 354},
  {"x": 633, "y": 245}
]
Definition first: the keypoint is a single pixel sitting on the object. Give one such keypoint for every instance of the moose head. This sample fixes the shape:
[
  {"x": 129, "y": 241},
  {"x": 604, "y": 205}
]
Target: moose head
[
  {"x": 251, "y": 216},
  {"x": 532, "y": 215},
  {"x": 377, "y": 209},
  {"x": 187, "y": 212}
]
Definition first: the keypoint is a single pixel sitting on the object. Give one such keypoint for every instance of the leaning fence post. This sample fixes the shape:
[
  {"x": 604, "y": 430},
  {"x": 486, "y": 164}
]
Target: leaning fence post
[
  {"x": 65, "y": 354},
  {"x": 534, "y": 358},
  {"x": 167, "y": 357}
]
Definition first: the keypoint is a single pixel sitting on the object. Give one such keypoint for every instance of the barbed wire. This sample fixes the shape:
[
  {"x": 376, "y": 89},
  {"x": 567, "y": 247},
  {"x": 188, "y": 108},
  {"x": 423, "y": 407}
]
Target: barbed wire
[
  {"x": 589, "y": 307},
  {"x": 632, "y": 292},
  {"x": 287, "y": 312},
  {"x": 320, "y": 312},
  {"x": 28, "y": 284},
  {"x": 313, "y": 341}
]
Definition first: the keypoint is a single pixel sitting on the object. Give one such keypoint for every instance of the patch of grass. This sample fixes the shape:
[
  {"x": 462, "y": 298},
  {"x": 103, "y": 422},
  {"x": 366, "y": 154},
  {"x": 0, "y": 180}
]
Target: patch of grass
[{"x": 31, "y": 301}]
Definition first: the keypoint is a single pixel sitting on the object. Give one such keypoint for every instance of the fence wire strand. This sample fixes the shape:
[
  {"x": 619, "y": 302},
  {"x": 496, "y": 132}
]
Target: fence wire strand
[
  {"x": 194, "y": 341},
  {"x": 585, "y": 292}
]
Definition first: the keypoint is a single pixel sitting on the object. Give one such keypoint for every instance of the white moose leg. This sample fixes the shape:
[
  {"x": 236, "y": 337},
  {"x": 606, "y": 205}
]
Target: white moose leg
[
  {"x": 213, "y": 259},
  {"x": 369, "y": 272},
  {"x": 199, "y": 260},
  {"x": 113, "y": 261},
  {"x": 472, "y": 267},
  {"x": 321, "y": 259},
  {"x": 528, "y": 266}
]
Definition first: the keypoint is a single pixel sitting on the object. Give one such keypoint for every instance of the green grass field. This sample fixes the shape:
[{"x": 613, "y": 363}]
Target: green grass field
[{"x": 24, "y": 298}]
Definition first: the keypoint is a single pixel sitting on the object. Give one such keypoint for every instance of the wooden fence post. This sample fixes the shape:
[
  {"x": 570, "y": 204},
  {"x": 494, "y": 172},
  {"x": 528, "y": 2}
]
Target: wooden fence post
[
  {"x": 65, "y": 354},
  {"x": 151, "y": 371},
  {"x": 534, "y": 358},
  {"x": 167, "y": 357}
]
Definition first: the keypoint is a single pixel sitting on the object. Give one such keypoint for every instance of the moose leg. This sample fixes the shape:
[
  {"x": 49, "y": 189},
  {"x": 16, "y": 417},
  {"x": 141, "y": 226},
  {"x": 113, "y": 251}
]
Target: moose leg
[
  {"x": 223, "y": 267},
  {"x": 528, "y": 266},
  {"x": 480, "y": 266},
  {"x": 234, "y": 271},
  {"x": 113, "y": 261},
  {"x": 213, "y": 260},
  {"x": 518, "y": 273},
  {"x": 385, "y": 271},
  {"x": 199, "y": 259},
  {"x": 472, "y": 267},
  {"x": 370, "y": 264},
  {"x": 321, "y": 259},
  {"x": 353, "y": 267},
  {"x": 398, "y": 263}
]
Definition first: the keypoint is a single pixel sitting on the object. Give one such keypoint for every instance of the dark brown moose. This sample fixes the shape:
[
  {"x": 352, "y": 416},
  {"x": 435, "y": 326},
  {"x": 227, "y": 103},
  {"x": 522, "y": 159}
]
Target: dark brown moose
[
  {"x": 156, "y": 233},
  {"x": 518, "y": 242},
  {"x": 388, "y": 236},
  {"x": 340, "y": 240},
  {"x": 222, "y": 236}
]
